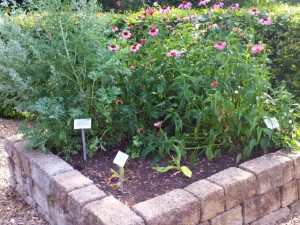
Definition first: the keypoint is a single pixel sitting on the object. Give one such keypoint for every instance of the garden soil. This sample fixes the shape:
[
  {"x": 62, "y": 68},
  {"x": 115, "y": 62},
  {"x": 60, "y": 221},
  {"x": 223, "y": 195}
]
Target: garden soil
[{"x": 141, "y": 181}]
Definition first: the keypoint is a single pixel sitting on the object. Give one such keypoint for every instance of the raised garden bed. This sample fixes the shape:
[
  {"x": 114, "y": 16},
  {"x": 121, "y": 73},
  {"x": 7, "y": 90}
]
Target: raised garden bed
[{"x": 261, "y": 191}]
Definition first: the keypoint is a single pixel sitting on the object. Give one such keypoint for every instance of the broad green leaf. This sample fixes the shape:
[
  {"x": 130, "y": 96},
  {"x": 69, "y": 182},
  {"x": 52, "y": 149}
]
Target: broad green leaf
[
  {"x": 160, "y": 89},
  {"x": 294, "y": 144},
  {"x": 164, "y": 169},
  {"x": 259, "y": 132},
  {"x": 209, "y": 153},
  {"x": 246, "y": 152},
  {"x": 186, "y": 171},
  {"x": 239, "y": 157},
  {"x": 268, "y": 131},
  {"x": 264, "y": 144},
  {"x": 252, "y": 143}
]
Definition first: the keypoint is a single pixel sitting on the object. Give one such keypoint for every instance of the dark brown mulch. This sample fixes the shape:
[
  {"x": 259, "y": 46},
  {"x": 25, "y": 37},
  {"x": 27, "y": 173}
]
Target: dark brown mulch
[{"x": 143, "y": 182}]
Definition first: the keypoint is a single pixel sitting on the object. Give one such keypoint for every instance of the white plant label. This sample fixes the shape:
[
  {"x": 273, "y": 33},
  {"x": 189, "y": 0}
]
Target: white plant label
[
  {"x": 120, "y": 159},
  {"x": 272, "y": 123},
  {"x": 83, "y": 123}
]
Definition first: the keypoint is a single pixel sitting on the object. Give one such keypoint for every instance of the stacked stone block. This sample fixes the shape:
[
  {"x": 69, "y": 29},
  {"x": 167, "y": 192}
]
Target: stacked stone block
[{"x": 261, "y": 191}]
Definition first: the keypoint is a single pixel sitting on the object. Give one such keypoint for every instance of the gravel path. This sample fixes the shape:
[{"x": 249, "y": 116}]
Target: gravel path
[{"x": 14, "y": 211}]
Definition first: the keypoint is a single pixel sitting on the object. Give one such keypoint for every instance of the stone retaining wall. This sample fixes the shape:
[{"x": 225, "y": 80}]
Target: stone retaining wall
[{"x": 259, "y": 192}]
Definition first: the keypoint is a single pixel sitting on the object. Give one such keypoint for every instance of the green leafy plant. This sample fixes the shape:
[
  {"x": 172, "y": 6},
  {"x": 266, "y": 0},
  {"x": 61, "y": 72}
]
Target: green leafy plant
[{"x": 205, "y": 72}]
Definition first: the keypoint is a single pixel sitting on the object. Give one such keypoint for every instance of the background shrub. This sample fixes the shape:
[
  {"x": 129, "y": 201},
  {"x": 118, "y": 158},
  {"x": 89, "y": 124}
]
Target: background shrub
[{"x": 284, "y": 41}]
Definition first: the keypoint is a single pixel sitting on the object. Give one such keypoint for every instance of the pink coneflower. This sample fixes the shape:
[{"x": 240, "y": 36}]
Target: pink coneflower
[
  {"x": 150, "y": 11},
  {"x": 185, "y": 5},
  {"x": 143, "y": 41},
  {"x": 254, "y": 11},
  {"x": 113, "y": 47},
  {"x": 119, "y": 102},
  {"x": 234, "y": 6},
  {"x": 220, "y": 45},
  {"x": 115, "y": 29},
  {"x": 158, "y": 124},
  {"x": 236, "y": 29},
  {"x": 257, "y": 48},
  {"x": 181, "y": 18},
  {"x": 249, "y": 45},
  {"x": 126, "y": 34},
  {"x": 143, "y": 18},
  {"x": 173, "y": 53},
  {"x": 130, "y": 26},
  {"x": 265, "y": 21},
  {"x": 165, "y": 9},
  {"x": 135, "y": 47},
  {"x": 137, "y": 44},
  {"x": 203, "y": 2},
  {"x": 153, "y": 31},
  {"x": 169, "y": 27},
  {"x": 140, "y": 131},
  {"x": 218, "y": 5},
  {"x": 214, "y": 84}
]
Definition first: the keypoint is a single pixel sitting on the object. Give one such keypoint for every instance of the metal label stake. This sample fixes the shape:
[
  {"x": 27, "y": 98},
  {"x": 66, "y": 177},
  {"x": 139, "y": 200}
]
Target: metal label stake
[
  {"x": 83, "y": 144},
  {"x": 121, "y": 179},
  {"x": 120, "y": 160},
  {"x": 83, "y": 124}
]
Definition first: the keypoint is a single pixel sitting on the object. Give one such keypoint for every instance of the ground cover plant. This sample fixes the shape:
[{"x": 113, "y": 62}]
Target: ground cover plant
[{"x": 170, "y": 81}]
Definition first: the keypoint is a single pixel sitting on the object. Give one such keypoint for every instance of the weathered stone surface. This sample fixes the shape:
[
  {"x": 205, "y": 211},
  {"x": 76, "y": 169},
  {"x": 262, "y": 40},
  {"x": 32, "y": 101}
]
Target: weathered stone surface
[
  {"x": 41, "y": 199},
  {"x": 20, "y": 189},
  {"x": 260, "y": 205},
  {"x": 63, "y": 183},
  {"x": 44, "y": 166},
  {"x": 21, "y": 162},
  {"x": 8, "y": 147},
  {"x": 295, "y": 207},
  {"x": 295, "y": 156},
  {"x": 12, "y": 182},
  {"x": 204, "y": 223},
  {"x": 25, "y": 165},
  {"x": 289, "y": 193},
  {"x": 78, "y": 198},
  {"x": 176, "y": 207},
  {"x": 46, "y": 216},
  {"x": 9, "y": 144},
  {"x": 271, "y": 171},
  {"x": 273, "y": 217},
  {"x": 28, "y": 185},
  {"x": 233, "y": 217},
  {"x": 60, "y": 216},
  {"x": 211, "y": 197},
  {"x": 238, "y": 185},
  {"x": 26, "y": 156},
  {"x": 109, "y": 211},
  {"x": 12, "y": 178},
  {"x": 11, "y": 166},
  {"x": 18, "y": 175},
  {"x": 17, "y": 162},
  {"x": 30, "y": 201}
]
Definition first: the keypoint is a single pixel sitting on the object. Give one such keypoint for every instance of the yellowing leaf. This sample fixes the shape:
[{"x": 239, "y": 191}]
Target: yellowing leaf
[{"x": 186, "y": 171}]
